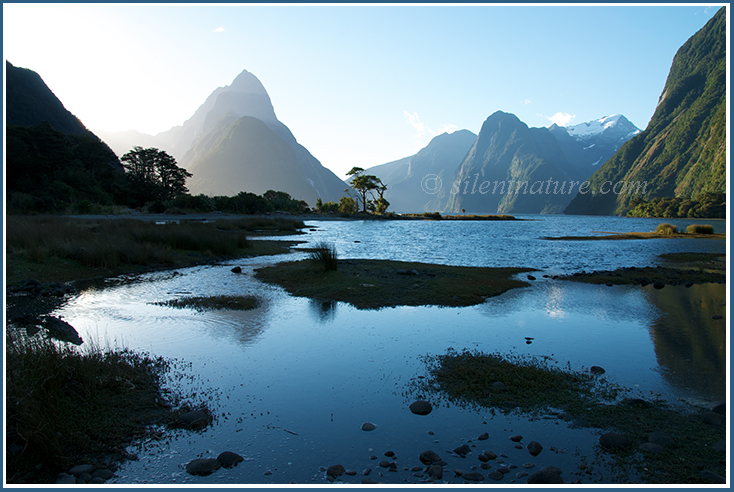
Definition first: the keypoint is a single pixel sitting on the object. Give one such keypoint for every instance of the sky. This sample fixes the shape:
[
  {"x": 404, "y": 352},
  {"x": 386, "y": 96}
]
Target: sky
[{"x": 358, "y": 85}]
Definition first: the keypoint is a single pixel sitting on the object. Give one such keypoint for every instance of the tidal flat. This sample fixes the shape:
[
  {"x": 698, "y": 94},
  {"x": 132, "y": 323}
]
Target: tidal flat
[{"x": 291, "y": 383}]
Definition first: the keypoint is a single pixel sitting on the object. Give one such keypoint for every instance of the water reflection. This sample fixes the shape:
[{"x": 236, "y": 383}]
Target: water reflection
[
  {"x": 690, "y": 345},
  {"x": 323, "y": 311}
]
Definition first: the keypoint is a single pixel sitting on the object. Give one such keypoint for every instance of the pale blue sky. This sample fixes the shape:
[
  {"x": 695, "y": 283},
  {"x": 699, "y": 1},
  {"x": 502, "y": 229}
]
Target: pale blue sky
[{"x": 357, "y": 85}]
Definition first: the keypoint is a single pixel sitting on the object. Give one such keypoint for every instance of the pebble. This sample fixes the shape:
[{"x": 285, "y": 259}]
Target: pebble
[{"x": 420, "y": 407}]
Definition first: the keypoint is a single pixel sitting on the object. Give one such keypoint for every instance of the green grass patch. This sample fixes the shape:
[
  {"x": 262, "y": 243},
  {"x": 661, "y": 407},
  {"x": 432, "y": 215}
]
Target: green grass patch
[
  {"x": 326, "y": 255},
  {"x": 51, "y": 248},
  {"x": 534, "y": 384},
  {"x": 234, "y": 303},
  {"x": 700, "y": 229},
  {"x": 66, "y": 405},
  {"x": 374, "y": 284},
  {"x": 666, "y": 228}
]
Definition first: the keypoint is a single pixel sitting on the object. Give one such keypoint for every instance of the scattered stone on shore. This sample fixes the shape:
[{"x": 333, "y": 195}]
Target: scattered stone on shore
[
  {"x": 516, "y": 438},
  {"x": 473, "y": 477},
  {"x": 597, "y": 370},
  {"x": 335, "y": 471},
  {"x": 483, "y": 437},
  {"x": 429, "y": 457},
  {"x": 614, "y": 441},
  {"x": 530, "y": 277},
  {"x": 368, "y": 426},
  {"x": 435, "y": 471},
  {"x": 534, "y": 448},
  {"x": 496, "y": 475},
  {"x": 490, "y": 455},
  {"x": 203, "y": 466},
  {"x": 228, "y": 459},
  {"x": 237, "y": 270},
  {"x": 367, "y": 480},
  {"x": 462, "y": 450},
  {"x": 421, "y": 407},
  {"x": 548, "y": 475}
]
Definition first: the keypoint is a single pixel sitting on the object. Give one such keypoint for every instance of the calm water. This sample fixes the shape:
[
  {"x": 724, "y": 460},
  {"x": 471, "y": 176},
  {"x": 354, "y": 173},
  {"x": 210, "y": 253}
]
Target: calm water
[{"x": 292, "y": 381}]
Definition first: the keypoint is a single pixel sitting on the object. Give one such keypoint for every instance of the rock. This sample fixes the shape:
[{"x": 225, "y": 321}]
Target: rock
[
  {"x": 85, "y": 477},
  {"x": 228, "y": 459},
  {"x": 195, "y": 419},
  {"x": 368, "y": 426},
  {"x": 61, "y": 330},
  {"x": 483, "y": 458},
  {"x": 614, "y": 440},
  {"x": 549, "y": 474},
  {"x": 103, "y": 473},
  {"x": 717, "y": 316},
  {"x": 528, "y": 465},
  {"x": 473, "y": 477},
  {"x": 720, "y": 409},
  {"x": 421, "y": 407},
  {"x": 384, "y": 464},
  {"x": 367, "y": 471},
  {"x": 96, "y": 481},
  {"x": 503, "y": 470},
  {"x": 495, "y": 475},
  {"x": 485, "y": 466},
  {"x": 499, "y": 386},
  {"x": 367, "y": 480},
  {"x": 712, "y": 418},
  {"x": 534, "y": 448},
  {"x": 658, "y": 285},
  {"x": 462, "y": 450},
  {"x": 712, "y": 477},
  {"x": 416, "y": 468},
  {"x": 597, "y": 370},
  {"x": 237, "y": 270},
  {"x": 490, "y": 455},
  {"x": 203, "y": 466},
  {"x": 651, "y": 447},
  {"x": 483, "y": 437},
  {"x": 65, "y": 479},
  {"x": 335, "y": 470},
  {"x": 517, "y": 438},
  {"x": 688, "y": 284},
  {"x": 429, "y": 457},
  {"x": 635, "y": 402},
  {"x": 79, "y": 469},
  {"x": 435, "y": 471},
  {"x": 660, "y": 438},
  {"x": 530, "y": 277},
  {"x": 390, "y": 454},
  {"x": 521, "y": 474},
  {"x": 351, "y": 473}
]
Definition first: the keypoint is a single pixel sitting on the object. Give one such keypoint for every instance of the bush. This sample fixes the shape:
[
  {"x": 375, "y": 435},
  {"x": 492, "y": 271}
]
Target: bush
[
  {"x": 700, "y": 229},
  {"x": 325, "y": 254},
  {"x": 666, "y": 228}
]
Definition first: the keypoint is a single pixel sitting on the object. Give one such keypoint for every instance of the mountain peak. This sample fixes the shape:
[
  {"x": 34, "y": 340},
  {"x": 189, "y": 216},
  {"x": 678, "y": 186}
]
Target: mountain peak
[
  {"x": 595, "y": 127},
  {"x": 248, "y": 83}
]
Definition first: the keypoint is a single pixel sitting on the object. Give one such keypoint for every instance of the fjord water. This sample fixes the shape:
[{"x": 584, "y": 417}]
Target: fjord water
[{"x": 291, "y": 382}]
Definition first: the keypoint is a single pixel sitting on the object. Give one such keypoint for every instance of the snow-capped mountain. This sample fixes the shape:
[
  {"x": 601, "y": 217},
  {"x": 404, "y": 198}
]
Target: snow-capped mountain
[{"x": 589, "y": 145}]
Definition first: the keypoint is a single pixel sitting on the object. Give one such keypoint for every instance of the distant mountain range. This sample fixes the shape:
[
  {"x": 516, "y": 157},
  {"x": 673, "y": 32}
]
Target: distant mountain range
[
  {"x": 682, "y": 152},
  {"x": 483, "y": 174},
  {"x": 234, "y": 142}
]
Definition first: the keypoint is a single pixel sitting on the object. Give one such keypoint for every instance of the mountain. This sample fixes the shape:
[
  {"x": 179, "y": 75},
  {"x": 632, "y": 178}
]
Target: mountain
[
  {"x": 406, "y": 190},
  {"x": 682, "y": 152},
  {"x": 52, "y": 161},
  {"x": 508, "y": 169},
  {"x": 589, "y": 145},
  {"x": 206, "y": 146}
]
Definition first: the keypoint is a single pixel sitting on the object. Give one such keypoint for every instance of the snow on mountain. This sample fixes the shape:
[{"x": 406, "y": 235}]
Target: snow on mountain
[{"x": 595, "y": 127}]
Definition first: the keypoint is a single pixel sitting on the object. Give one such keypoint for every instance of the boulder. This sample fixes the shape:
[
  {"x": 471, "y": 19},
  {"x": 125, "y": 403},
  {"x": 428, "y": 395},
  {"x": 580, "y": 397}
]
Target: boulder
[
  {"x": 548, "y": 475},
  {"x": 421, "y": 407},
  {"x": 534, "y": 448},
  {"x": 228, "y": 459},
  {"x": 203, "y": 466}
]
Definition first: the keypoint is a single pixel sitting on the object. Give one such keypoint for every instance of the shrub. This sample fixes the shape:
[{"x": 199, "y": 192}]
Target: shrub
[
  {"x": 666, "y": 228},
  {"x": 700, "y": 229},
  {"x": 325, "y": 254}
]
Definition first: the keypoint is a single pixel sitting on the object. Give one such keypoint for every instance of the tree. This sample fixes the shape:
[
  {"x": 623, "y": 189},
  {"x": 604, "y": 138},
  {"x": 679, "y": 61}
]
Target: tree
[
  {"x": 154, "y": 174},
  {"x": 365, "y": 184}
]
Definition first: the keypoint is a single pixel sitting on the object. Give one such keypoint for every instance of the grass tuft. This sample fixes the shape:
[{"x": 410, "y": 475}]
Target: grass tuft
[
  {"x": 325, "y": 254},
  {"x": 234, "y": 303},
  {"x": 666, "y": 228},
  {"x": 700, "y": 229}
]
